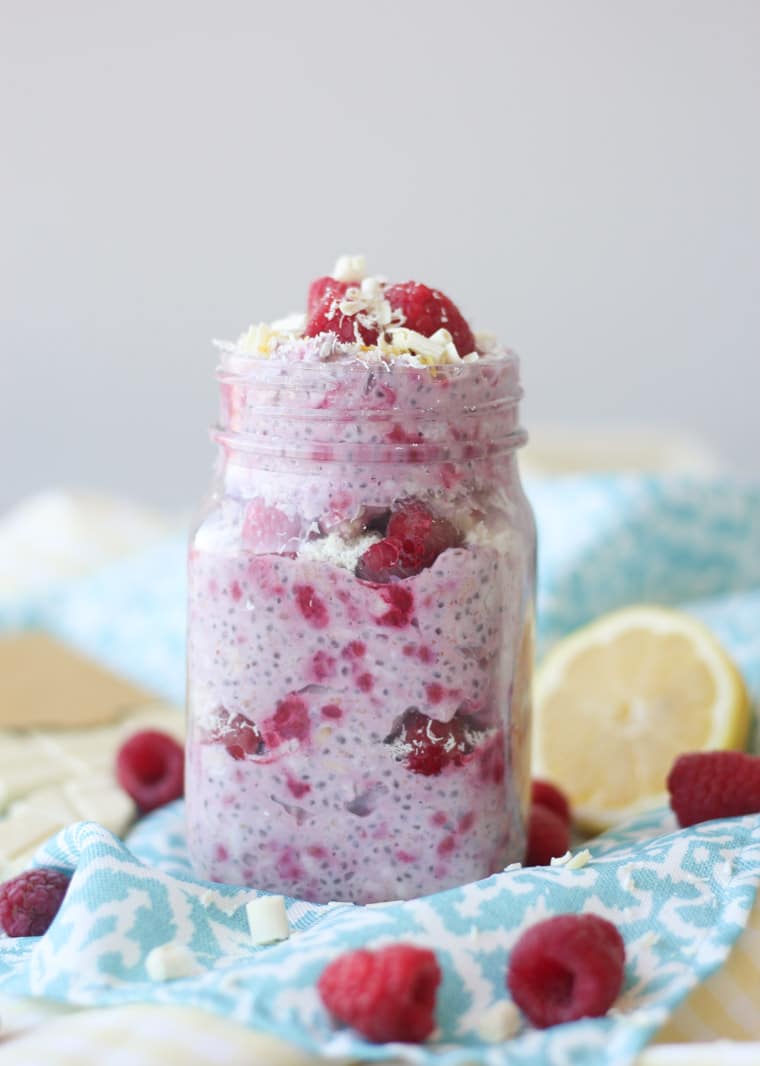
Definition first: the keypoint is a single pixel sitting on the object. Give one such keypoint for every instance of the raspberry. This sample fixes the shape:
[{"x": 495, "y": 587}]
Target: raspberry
[
  {"x": 415, "y": 538},
  {"x": 379, "y": 562},
  {"x": 150, "y": 768},
  {"x": 427, "y": 310},
  {"x": 238, "y": 734},
  {"x": 429, "y": 745},
  {"x": 29, "y": 902},
  {"x": 386, "y": 995},
  {"x": 714, "y": 784},
  {"x": 324, "y": 315},
  {"x": 548, "y": 836},
  {"x": 320, "y": 289},
  {"x": 548, "y": 795},
  {"x": 566, "y": 968}
]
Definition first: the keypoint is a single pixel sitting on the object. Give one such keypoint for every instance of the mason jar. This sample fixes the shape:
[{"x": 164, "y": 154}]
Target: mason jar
[{"x": 360, "y": 633}]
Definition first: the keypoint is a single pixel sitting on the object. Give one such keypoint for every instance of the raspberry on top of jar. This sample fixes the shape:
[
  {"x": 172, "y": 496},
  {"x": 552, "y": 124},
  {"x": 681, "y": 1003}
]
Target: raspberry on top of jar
[{"x": 354, "y": 314}]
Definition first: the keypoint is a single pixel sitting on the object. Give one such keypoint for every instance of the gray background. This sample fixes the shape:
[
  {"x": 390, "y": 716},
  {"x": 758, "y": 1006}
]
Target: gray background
[{"x": 581, "y": 177}]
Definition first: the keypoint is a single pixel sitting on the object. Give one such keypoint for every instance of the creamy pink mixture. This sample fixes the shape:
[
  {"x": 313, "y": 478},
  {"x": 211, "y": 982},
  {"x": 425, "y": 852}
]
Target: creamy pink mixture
[{"x": 359, "y": 589}]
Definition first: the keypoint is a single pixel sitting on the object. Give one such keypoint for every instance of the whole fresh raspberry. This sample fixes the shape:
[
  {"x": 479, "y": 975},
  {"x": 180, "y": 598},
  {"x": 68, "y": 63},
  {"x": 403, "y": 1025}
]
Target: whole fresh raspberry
[
  {"x": 415, "y": 537},
  {"x": 566, "y": 968},
  {"x": 386, "y": 995},
  {"x": 325, "y": 315},
  {"x": 29, "y": 902},
  {"x": 150, "y": 768},
  {"x": 714, "y": 784},
  {"x": 427, "y": 310},
  {"x": 548, "y": 795},
  {"x": 548, "y": 836},
  {"x": 320, "y": 289},
  {"x": 428, "y": 746}
]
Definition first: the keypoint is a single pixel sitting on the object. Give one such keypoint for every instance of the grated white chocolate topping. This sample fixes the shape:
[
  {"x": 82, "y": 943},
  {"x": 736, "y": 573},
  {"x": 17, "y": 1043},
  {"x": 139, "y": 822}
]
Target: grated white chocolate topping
[{"x": 365, "y": 302}]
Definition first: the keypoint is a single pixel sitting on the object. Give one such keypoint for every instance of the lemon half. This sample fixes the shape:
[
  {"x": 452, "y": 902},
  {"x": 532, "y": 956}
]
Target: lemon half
[{"x": 617, "y": 701}]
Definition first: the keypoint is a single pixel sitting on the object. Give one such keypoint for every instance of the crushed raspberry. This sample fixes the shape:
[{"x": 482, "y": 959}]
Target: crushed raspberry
[
  {"x": 150, "y": 768},
  {"x": 29, "y": 902},
  {"x": 714, "y": 784},
  {"x": 297, "y": 788},
  {"x": 322, "y": 288},
  {"x": 427, "y": 310},
  {"x": 548, "y": 836},
  {"x": 379, "y": 562},
  {"x": 238, "y": 734},
  {"x": 428, "y": 746},
  {"x": 548, "y": 795},
  {"x": 323, "y": 665},
  {"x": 325, "y": 316},
  {"x": 400, "y": 606},
  {"x": 290, "y": 721},
  {"x": 492, "y": 759},
  {"x": 565, "y": 968},
  {"x": 386, "y": 995},
  {"x": 414, "y": 539},
  {"x": 311, "y": 606}
]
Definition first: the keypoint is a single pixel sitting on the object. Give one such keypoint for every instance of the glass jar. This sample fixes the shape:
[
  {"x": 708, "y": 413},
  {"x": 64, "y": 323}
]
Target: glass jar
[{"x": 361, "y": 591}]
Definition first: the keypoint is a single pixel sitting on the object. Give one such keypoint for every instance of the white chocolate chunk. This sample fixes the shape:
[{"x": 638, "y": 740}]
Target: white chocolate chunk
[
  {"x": 267, "y": 920},
  {"x": 499, "y": 1022},
  {"x": 171, "y": 961},
  {"x": 100, "y": 799},
  {"x": 26, "y": 765},
  {"x": 52, "y": 802},
  {"x": 349, "y": 268},
  {"x": 20, "y": 835},
  {"x": 50, "y": 778}
]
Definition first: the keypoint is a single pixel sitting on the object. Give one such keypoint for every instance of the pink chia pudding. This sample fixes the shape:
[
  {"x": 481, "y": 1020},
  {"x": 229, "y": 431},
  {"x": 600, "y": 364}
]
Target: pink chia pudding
[{"x": 361, "y": 593}]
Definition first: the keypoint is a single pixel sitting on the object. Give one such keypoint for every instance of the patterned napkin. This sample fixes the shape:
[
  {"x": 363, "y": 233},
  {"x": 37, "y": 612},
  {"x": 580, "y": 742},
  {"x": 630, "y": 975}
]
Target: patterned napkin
[{"x": 680, "y": 899}]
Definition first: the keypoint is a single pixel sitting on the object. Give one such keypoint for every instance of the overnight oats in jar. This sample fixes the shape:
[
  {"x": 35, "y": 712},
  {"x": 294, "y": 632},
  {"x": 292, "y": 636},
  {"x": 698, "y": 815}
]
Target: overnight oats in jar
[{"x": 361, "y": 592}]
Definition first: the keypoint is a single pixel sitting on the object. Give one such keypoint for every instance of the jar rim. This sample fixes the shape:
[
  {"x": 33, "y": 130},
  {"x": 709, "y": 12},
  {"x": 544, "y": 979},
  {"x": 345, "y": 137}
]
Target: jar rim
[
  {"x": 240, "y": 366},
  {"x": 368, "y": 407}
]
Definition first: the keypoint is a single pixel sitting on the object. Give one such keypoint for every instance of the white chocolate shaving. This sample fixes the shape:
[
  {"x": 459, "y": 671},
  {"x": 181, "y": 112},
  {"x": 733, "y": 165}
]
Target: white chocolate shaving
[
  {"x": 572, "y": 862},
  {"x": 256, "y": 339}
]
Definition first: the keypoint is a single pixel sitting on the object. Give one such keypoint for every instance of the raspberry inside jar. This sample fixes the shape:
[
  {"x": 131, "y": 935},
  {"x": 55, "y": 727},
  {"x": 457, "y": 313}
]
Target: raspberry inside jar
[{"x": 360, "y": 601}]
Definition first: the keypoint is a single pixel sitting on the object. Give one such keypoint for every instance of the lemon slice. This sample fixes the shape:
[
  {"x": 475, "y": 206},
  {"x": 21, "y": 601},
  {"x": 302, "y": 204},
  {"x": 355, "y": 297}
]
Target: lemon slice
[{"x": 617, "y": 701}]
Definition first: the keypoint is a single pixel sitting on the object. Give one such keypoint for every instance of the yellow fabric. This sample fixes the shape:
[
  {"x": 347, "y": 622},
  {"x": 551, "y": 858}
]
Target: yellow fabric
[{"x": 727, "y": 1004}]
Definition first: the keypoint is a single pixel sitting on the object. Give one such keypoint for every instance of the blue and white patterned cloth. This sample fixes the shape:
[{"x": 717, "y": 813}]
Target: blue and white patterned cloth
[{"x": 680, "y": 899}]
